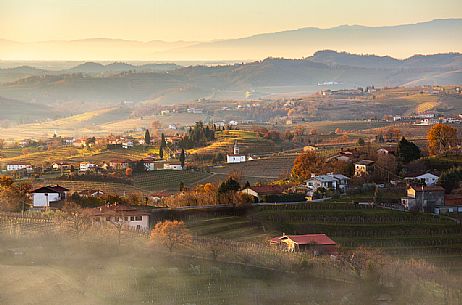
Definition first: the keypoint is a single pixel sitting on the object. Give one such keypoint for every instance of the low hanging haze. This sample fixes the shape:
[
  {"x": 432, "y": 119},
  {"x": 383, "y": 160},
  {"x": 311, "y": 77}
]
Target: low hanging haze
[{"x": 163, "y": 29}]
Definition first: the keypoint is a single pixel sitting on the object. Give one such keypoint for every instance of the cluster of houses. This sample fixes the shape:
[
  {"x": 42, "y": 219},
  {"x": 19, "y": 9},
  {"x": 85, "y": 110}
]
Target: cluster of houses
[
  {"x": 149, "y": 164},
  {"x": 427, "y": 119},
  {"x": 53, "y": 196},
  {"x": 139, "y": 219}
]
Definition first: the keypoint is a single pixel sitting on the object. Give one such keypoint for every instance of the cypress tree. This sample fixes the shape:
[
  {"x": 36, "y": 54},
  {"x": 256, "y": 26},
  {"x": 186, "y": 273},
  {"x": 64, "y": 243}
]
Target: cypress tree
[
  {"x": 182, "y": 158},
  {"x": 147, "y": 137}
]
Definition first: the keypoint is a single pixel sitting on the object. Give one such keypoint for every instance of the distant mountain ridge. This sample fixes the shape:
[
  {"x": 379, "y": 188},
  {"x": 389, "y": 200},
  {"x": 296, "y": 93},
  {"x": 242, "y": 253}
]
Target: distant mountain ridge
[
  {"x": 92, "y": 67},
  {"x": 399, "y": 41}
]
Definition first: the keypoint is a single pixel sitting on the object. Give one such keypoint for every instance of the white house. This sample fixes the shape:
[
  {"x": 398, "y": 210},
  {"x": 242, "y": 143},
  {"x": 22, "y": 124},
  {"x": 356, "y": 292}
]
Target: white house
[
  {"x": 428, "y": 178},
  {"x": 61, "y": 166},
  {"x": 86, "y": 166},
  {"x": 236, "y": 157},
  {"x": 173, "y": 166},
  {"x": 129, "y": 217},
  {"x": 127, "y": 144},
  {"x": 330, "y": 181},
  {"x": 149, "y": 164},
  {"x": 18, "y": 166},
  {"x": 364, "y": 168},
  {"x": 46, "y": 195},
  {"x": 120, "y": 164}
]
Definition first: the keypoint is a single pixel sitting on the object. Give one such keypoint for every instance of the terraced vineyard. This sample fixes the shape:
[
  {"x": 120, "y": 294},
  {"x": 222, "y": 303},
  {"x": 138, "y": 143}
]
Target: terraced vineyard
[
  {"x": 229, "y": 227},
  {"x": 136, "y": 153},
  {"x": 264, "y": 169},
  {"x": 437, "y": 239},
  {"x": 398, "y": 233},
  {"x": 249, "y": 143},
  {"x": 168, "y": 180},
  {"x": 107, "y": 187}
]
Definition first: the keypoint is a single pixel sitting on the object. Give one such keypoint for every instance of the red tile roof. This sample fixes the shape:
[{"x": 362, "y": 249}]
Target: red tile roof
[
  {"x": 453, "y": 200},
  {"x": 319, "y": 239},
  {"x": 432, "y": 188},
  {"x": 116, "y": 209},
  {"x": 268, "y": 189}
]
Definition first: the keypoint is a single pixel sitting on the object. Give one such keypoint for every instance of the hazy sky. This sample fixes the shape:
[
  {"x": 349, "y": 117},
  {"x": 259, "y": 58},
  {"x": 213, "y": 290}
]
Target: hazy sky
[{"x": 33, "y": 20}]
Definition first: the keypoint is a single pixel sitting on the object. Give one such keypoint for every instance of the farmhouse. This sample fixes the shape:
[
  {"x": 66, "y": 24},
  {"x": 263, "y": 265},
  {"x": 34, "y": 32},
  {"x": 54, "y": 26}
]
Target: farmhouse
[
  {"x": 235, "y": 157},
  {"x": 423, "y": 198},
  {"x": 129, "y": 217},
  {"x": 91, "y": 193},
  {"x": 47, "y": 195},
  {"x": 86, "y": 166},
  {"x": 64, "y": 166},
  {"x": 149, "y": 164},
  {"x": 364, "y": 168},
  {"x": 317, "y": 243},
  {"x": 173, "y": 166},
  {"x": 428, "y": 179},
  {"x": 127, "y": 144},
  {"x": 330, "y": 181},
  {"x": 260, "y": 192},
  {"x": 386, "y": 151},
  {"x": 119, "y": 164},
  {"x": 19, "y": 166}
]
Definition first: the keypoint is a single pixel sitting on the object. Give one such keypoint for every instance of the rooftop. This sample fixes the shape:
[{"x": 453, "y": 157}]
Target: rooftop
[
  {"x": 50, "y": 189},
  {"x": 319, "y": 239}
]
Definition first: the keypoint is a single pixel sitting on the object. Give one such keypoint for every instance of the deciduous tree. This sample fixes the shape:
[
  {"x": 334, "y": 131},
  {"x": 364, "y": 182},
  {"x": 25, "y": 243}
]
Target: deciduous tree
[
  {"x": 441, "y": 138},
  {"x": 171, "y": 234}
]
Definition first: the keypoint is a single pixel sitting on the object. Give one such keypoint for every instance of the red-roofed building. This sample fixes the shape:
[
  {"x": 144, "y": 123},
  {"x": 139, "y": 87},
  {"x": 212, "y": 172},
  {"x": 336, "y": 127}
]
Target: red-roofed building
[
  {"x": 119, "y": 164},
  {"x": 115, "y": 213},
  {"x": 423, "y": 198},
  {"x": 317, "y": 243},
  {"x": 258, "y": 192}
]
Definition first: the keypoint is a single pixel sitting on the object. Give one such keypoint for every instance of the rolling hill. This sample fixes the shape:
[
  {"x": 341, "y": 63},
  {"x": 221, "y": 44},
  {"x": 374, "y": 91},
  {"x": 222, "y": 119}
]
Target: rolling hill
[
  {"x": 14, "y": 110},
  {"x": 266, "y": 77}
]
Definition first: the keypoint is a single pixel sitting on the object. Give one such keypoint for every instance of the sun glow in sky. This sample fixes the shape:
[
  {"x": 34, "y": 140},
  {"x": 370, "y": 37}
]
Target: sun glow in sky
[{"x": 201, "y": 20}]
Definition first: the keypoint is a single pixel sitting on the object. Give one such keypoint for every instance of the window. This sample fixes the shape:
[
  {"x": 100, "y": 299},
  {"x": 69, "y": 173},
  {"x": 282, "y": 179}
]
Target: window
[
  {"x": 138, "y": 218},
  {"x": 132, "y": 218},
  {"x": 108, "y": 218},
  {"x": 138, "y": 227},
  {"x": 126, "y": 218}
]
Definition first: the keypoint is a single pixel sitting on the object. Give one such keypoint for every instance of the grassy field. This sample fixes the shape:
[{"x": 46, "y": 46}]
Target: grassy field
[
  {"x": 46, "y": 156},
  {"x": 94, "y": 123},
  {"x": 106, "y": 187}
]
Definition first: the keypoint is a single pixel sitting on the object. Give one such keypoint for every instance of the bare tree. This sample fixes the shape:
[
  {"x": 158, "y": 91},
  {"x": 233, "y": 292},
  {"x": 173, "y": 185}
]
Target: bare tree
[{"x": 171, "y": 234}]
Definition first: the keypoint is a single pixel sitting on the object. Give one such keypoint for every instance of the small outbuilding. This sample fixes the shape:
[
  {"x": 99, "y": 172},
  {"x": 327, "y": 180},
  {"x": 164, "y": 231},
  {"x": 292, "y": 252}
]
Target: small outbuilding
[{"x": 316, "y": 243}]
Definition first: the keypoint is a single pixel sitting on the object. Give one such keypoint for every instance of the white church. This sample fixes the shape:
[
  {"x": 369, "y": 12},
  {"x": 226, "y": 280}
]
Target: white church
[{"x": 236, "y": 157}]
